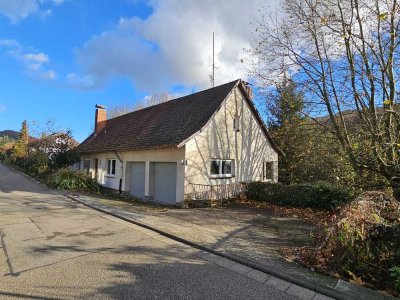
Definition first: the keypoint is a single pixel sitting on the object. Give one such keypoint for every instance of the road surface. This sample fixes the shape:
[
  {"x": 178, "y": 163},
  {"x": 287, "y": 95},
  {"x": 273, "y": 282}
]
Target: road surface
[{"x": 54, "y": 248}]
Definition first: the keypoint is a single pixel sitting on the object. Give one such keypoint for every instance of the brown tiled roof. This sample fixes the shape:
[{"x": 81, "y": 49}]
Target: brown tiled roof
[{"x": 164, "y": 125}]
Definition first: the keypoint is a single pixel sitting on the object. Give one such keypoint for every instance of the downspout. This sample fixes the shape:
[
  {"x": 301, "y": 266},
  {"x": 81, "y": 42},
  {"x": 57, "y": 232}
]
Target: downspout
[{"x": 122, "y": 172}]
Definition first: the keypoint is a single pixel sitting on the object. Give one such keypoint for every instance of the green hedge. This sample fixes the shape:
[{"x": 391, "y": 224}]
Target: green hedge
[
  {"x": 319, "y": 195},
  {"x": 66, "y": 179}
]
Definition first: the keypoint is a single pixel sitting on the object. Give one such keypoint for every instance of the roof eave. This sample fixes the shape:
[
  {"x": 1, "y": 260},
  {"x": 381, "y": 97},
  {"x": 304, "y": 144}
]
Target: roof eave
[
  {"x": 185, "y": 141},
  {"x": 260, "y": 120},
  {"x": 253, "y": 109},
  {"x": 158, "y": 147}
]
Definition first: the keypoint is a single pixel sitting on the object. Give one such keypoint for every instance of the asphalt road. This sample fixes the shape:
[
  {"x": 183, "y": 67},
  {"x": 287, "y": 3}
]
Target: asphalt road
[{"x": 53, "y": 248}]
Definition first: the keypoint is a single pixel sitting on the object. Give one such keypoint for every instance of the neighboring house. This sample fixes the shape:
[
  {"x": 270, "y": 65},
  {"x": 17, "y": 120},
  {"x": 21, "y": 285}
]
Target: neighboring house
[
  {"x": 53, "y": 143},
  {"x": 6, "y": 147},
  {"x": 211, "y": 137}
]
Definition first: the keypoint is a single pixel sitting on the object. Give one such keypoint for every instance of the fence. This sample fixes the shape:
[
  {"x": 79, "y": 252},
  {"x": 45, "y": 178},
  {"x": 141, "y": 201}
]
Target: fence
[{"x": 219, "y": 192}]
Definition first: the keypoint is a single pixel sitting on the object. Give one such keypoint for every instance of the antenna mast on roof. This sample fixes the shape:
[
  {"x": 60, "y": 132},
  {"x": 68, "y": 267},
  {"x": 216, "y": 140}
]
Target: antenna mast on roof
[
  {"x": 212, "y": 75},
  {"x": 213, "y": 65}
]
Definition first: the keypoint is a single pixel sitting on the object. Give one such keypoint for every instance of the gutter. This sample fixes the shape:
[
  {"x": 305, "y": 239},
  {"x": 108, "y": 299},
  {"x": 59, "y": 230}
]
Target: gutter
[{"x": 122, "y": 172}]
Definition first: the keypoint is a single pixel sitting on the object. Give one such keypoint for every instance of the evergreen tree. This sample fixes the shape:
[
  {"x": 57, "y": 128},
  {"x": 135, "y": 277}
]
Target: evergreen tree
[
  {"x": 311, "y": 153},
  {"x": 285, "y": 106},
  {"x": 20, "y": 149}
]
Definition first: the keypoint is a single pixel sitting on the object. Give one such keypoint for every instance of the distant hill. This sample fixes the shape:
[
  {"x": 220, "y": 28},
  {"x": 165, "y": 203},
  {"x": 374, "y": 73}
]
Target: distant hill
[{"x": 12, "y": 134}]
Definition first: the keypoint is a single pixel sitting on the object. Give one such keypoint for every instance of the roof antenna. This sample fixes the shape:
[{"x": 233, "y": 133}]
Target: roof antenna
[
  {"x": 212, "y": 76},
  {"x": 213, "y": 66}
]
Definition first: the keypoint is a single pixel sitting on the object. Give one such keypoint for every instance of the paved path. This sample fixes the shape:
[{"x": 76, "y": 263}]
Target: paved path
[
  {"x": 53, "y": 248},
  {"x": 252, "y": 234}
]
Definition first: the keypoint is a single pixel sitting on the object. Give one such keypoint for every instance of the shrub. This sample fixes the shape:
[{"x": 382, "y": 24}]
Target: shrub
[
  {"x": 66, "y": 179},
  {"x": 318, "y": 195},
  {"x": 63, "y": 159},
  {"x": 395, "y": 274},
  {"x": 365, "y": 240},
  {"x": 37, "y": 163}
]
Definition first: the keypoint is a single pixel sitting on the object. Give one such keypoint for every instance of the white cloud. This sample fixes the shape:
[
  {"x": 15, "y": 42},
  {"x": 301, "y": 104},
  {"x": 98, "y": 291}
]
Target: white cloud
[
  {"x": 80, "y": 82},
  {"x": 39, "y": 58},
  {"x": 8, "y": 43},
  {"x": 33, "y": 62},
  {"x": 34, "y": 67},
  {"x": 174, "y": 44},
  {"x": 57, "y": 2},
  {"x": 17, "y": 10}
]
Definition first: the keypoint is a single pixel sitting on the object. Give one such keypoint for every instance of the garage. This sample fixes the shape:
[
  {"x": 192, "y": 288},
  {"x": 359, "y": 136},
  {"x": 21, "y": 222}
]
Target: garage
[
  {"x": 136, "y": 180},
  {"x": 164, "y": 182}
]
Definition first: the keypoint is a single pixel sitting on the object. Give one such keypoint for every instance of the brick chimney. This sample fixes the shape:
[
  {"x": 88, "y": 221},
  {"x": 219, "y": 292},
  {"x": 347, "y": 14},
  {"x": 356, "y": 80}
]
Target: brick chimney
[{"x": 100, "y": 118}]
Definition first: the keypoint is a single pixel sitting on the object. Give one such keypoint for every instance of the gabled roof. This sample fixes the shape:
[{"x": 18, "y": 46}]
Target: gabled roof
[{"x": 165, "y": 125}]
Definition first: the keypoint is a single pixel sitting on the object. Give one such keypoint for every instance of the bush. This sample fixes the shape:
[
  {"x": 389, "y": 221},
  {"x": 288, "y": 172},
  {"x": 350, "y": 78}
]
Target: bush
[
  {"x": 360, "y": 243},
  {"x": 318, "y": 195},
  {"x": 63, "y": 159},
  {"x": 37, "y": 163},
  {"x": 66, "y": 179},
  {"x": 395, "y": 275},
  {"x": 365, "y": 240}
]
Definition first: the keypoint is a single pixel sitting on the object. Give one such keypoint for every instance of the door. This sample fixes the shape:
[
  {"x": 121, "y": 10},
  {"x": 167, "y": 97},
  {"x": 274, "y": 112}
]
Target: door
[
  {"x": 164, "y": 188},
  {"x": 136, "y": 181}
]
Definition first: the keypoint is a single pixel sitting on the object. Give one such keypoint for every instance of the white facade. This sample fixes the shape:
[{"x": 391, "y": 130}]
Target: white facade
[
  {"x": 123, "y": 164},
  {"x": 233, "y": 134},
  {"x": 247, "y": 148}
]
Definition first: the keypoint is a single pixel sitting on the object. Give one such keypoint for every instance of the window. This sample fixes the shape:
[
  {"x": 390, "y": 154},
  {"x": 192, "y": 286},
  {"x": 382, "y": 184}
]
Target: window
[
  {"x": 236, "y": 123},
  {"x": 268, "y": 170},
  {"x": 221, "y": 168},
  {"x": 86, "y": 165},
  {"x": 111, "y": 166}
]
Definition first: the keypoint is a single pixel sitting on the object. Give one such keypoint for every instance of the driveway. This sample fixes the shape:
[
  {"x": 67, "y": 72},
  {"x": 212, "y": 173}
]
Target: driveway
[
  {"x": 250, "y": 233},
  {"x": 53, "y": 248}
]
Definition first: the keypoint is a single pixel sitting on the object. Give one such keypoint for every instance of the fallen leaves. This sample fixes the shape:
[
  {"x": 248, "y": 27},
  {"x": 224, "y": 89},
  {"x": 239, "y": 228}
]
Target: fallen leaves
[
  {"x": 308, "y": 215},
  {"x": 355, "y": 279},
  {"x": 356, "y": 220}
]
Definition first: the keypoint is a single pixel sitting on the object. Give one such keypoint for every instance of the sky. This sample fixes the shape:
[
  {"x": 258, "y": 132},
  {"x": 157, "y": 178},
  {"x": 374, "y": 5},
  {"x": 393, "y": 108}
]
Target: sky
[{"x": 58, "y": 58}]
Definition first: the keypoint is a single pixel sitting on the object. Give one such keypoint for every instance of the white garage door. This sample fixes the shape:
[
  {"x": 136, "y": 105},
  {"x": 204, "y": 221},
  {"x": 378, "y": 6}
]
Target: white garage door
[
  {"x": 165, "y": 182},
  {"x": 136, "y": 184}
]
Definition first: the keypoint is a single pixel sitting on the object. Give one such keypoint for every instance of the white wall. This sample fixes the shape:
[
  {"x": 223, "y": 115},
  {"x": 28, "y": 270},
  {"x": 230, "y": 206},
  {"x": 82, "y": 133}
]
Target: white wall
[
  {"x": 218, "y": 140},
  {"x": 102, "y": 177},
  {"x": 176, "y": 155}
]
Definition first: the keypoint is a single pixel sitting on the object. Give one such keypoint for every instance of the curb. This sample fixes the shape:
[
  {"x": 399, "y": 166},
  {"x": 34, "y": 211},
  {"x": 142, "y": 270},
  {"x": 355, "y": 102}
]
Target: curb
[{"x": 324, "y": 290}]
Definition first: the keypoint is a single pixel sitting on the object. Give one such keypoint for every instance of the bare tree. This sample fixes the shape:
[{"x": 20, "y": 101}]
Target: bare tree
[
  {"x": 46, "y": 128},
  {"x": 122, "y": 109},
  {"x": 157, "y": 99},
  {"x": 119, "y": 110},
  {"x": 345, "y": 56}
]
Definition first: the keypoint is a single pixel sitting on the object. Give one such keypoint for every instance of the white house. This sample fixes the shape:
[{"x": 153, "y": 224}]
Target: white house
[{"x": 212, "y": 137}]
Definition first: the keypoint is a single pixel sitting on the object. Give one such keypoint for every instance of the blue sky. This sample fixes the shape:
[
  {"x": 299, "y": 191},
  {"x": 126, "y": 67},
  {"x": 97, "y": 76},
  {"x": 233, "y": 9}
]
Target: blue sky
[{"x": 59, "y": 58}]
